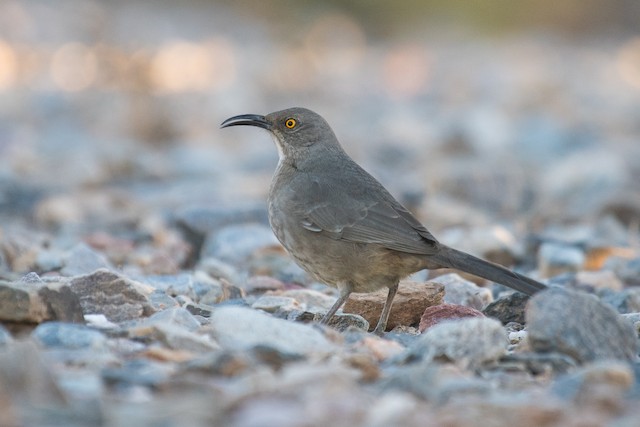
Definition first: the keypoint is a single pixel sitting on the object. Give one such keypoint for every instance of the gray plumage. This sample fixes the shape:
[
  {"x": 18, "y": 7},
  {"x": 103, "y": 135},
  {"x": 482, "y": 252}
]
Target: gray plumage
[{"x": 342, "y": 226}]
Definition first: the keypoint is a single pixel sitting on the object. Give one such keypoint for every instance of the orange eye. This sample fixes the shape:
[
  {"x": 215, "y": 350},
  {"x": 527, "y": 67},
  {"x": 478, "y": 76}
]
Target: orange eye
[{"x": 290, "y": 123}]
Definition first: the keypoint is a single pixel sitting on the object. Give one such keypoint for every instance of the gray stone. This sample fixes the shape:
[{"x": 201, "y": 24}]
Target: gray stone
[
  {"x": 459, "y": 291},
  {"x": 177, "y": 316},
  {"x": 242, "y": 328},
  {"x": 557, "y": 258},
  {"x": 68, "y": 335},
  {"x": 138, "y": 372},
  {"x": 5, "y": 336},
  {"x": 275, "y": 303},
  {"x": 172, "y": 285},
  {"x": 115, "y": 296},
  {"x": 628, "y": 270},
  {"x": 626, "y": 301},
  {"x": 81, "y": 259},
  {"x": 175, "y": 328},
  {"x": 614, "y": 376},
  {"x": 235, "y": 243},
  {"x": 198, "y": 222},
  {"x": 37, "y": 301},
  {"x": 26, "y": 383},
  {"x": 468, "y": 342},
  {"x": 510, "y": 308},
  {"x": 579, "y": 325}
]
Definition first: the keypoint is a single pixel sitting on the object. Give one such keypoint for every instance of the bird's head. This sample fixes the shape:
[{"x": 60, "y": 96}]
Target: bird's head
[{"x": 299, "y": 133}]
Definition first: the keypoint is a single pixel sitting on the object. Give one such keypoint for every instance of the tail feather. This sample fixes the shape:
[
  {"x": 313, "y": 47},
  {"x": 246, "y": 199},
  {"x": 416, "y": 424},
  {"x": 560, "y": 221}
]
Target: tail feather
[{"x": 451, "y": 258}]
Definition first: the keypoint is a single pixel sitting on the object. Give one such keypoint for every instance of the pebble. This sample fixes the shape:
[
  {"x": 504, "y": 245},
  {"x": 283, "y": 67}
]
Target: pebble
[
  {"x": 34, "y": 301},
  {"x": 468, "y": 342},
  {"x": 5, "y": 336},
  {"x": 409, "y": 303},
  {"x": 580, "y": 326},
  {"x": 439, "y": 313},
  {"x": 239, "y": 328},
  {"x": 509, "y": 308},
  {"x": 628, "y": 270},
  {"x": 235, "y": 243},
  {"x": 277, "y": 304},
  {"x": 598, "y": 280},
  {"x": 459, "y": 291},
  {"x": 81, "y": 259},
  {"x": 115, "y": 296},
  {"x": 556, "y": 258},
  {"x": 69, "y": 336},
  {"x": 626, "y": 301}
]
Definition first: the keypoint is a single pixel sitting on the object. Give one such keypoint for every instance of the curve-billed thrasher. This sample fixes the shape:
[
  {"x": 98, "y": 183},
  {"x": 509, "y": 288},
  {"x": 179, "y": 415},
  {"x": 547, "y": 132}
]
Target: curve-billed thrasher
[{"x": 342, "y": 226}]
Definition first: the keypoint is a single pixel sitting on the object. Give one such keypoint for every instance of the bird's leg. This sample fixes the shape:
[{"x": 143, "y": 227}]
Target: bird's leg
[
  {"x": 384, "y": 316},
  {"x": 345, "y": 291}
]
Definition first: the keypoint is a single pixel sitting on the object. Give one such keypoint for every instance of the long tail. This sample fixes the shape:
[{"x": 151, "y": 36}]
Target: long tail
[{"x": 451, "y": 258}]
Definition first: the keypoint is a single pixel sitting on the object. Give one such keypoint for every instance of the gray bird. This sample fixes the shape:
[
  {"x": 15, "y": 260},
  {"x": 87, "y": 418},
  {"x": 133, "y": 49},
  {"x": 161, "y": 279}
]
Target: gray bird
[{"x": 342, "y": 226}]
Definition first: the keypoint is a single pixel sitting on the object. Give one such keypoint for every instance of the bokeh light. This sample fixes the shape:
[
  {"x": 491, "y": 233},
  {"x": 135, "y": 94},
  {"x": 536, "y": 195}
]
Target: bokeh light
[
  {"x": 8, "y": 65},
  {"x": 73, "y": 67},
  {"x": 629, "y": 62},
  {"x": 184, "y": 66},
  {"x": 405, "y": 71}
]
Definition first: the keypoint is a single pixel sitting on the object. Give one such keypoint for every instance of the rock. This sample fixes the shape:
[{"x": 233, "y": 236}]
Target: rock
[
  {"x": 588, "y": 382},
  {"x": 436, "y": 382},
  {"x": 35, "y": 301},
  {"x": 175, "y": 316},
  {"x": 202, "y": 310},
  {"x": 238, "y": 328},
  {"x": 81, "y": 259},
  {"x": 628, "y": 270},
  {"x": 172, "y": 285},
  {"x": 221, "y": 291},
  {"x": 311, "y": 299},
  {"x": 634, "y": 319},
  {"x": 510, "y": 308},
  {"x": 5, "y": 336},
  {"x": 69, "y": 336},
  {"x": 459, "y": 291},
  {"x": 262, "y": 284},
  {"x": 579, "y": 325},
  {"x": 235, "y": 243},
  {"x": 27, "y": 383},
  {"x": 176, "y": 329},
  {"x": 380, "y": 348},
  {"x": 439, "y": 313},
  {"x": 626, "y": 301},
  {"x": 557, "y": 258},
  {"x": 115, "y": 296},
  {"x": 345, "y": 321},
  {"x": 468, "y": 342},
  {"x": 409, "y": 304},
  {"x": 218, "y": 269},
  {"x": 274, "y": 261},
  {"x": 599, "y": 280},
  {"x": 198, "y": 222},
  {"x": 138, "y": 372},
  {"x": 276, "y": 304},
  {"x": 538, "y": 363},
  {"x": 62, "y": 304}
]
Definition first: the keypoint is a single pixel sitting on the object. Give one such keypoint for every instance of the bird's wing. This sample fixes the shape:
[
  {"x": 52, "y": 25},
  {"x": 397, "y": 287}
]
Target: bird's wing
[{"x": 381, "y": 220}]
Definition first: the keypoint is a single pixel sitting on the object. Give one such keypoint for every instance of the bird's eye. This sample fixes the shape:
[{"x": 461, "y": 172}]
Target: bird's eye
[{"x": 290, "y": 123}]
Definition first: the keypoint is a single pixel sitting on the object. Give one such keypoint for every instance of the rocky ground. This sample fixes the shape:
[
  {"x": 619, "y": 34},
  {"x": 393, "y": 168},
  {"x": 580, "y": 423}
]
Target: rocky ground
[{"x": 141, "y": 285}]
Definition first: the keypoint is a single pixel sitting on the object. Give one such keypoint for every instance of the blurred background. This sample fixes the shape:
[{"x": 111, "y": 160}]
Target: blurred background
[{"x": 523, "y": 113}]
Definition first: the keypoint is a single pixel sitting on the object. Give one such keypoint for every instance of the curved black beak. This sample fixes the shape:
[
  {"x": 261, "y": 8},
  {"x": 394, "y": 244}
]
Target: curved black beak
[{"x": 247, "y": 120}]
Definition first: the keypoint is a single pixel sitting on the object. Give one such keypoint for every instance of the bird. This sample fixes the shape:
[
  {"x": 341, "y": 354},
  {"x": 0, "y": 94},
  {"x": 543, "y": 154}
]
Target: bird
[{"x": 342, "y": 226}]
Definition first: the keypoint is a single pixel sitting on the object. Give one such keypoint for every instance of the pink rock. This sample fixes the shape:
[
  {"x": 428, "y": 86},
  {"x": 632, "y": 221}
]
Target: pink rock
[{"x": 438, "y": 313}]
